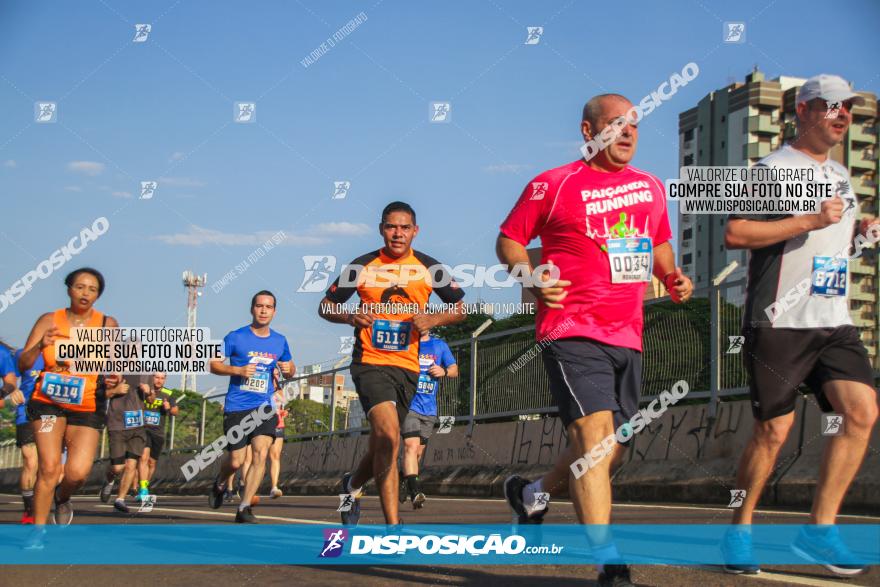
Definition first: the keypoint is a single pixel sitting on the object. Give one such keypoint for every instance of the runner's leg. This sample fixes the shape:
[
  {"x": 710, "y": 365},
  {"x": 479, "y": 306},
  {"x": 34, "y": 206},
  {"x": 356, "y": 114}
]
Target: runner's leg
[
  {"x": 275, "y": 460},
  {"x": 82, "y": 444},
  {"x": 28, "y": 475},
  {"x": 384, "y": 444},
  {"x": 257, "y": 470},
  {"x": 757, "y": 462},
  {"x": 844, "y": 453},
  {"x": 49, "y": 467}
]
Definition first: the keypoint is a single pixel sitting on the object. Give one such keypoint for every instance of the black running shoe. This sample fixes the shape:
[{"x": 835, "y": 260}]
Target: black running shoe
[
  {"x": 513, "y": 491},
  {"x": 215, "y": 500},
  {"x": 120, "y": 506},
  {"x": 245, "y": 516},
  {"x": 107, "y": 491},
  {"x": 615, "y": 576},
  {"x": 419, "y": 500},
  {"x": 353, "y": 515},
  {"x": 63, "y": 514}
]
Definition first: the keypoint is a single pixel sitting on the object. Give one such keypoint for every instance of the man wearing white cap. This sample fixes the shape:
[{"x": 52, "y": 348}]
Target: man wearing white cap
[{"x": 797, "y": 329}]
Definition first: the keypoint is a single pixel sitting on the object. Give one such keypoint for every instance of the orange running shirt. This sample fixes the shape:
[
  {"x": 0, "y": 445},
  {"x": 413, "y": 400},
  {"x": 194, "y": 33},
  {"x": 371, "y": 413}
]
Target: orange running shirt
[
  {"x": 393, "y": 290},
  {"x": 56, "y": 385}
]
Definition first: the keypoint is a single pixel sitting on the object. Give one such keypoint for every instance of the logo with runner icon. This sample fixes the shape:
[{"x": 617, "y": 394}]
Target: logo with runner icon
[
  {"x": 334, "y": 541},
  {"x": 318, "y": 271}
]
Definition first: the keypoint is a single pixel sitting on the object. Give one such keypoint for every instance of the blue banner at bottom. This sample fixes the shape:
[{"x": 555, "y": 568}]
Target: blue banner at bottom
[{"x": 434, "y": 544}]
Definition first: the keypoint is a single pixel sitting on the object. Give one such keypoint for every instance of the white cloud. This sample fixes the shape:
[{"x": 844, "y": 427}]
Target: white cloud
[
  {"x": 122, "y": 194},
  {"x": 196, "y": 236},
  {"x": 186, "y": 182},
  {"x": 73, "y": 188},
  {"x": 178, "y": 156},
  {"x": 506, "y": 168},
  {"x": 10, "y": 163},
  {"x": 342, "y": 229},
  {"x": 86, "y": 167}
]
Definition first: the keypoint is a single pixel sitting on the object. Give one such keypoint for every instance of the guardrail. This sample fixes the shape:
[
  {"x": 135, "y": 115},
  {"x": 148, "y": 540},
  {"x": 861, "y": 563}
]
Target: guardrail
[{"x": 689, "y": 341}]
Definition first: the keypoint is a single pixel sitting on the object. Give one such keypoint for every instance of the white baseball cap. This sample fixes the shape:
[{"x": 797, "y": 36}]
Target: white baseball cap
[{"x": 831, "y": 88}]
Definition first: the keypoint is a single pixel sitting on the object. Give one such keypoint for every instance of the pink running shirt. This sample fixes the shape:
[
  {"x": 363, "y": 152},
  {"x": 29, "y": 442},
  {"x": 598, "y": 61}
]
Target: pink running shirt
[{"x": 575, "y": 209}]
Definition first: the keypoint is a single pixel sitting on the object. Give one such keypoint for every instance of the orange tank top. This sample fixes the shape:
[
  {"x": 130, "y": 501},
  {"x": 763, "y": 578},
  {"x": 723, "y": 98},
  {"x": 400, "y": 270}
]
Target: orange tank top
[{"x": 56, "y": 385}]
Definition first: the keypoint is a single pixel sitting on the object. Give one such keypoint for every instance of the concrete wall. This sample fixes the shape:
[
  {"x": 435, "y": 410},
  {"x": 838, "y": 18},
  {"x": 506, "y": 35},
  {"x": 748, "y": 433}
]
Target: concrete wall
[{"x": 679, "y": 458}]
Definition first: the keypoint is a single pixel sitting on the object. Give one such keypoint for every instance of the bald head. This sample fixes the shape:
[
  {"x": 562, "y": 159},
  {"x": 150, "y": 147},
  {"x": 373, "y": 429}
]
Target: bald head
[{"x": 594, "y": 107}]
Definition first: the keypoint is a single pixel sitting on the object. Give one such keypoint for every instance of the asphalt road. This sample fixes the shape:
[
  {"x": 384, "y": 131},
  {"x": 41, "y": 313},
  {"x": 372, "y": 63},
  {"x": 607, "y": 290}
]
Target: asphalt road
[{"x": 321, "y": 510}]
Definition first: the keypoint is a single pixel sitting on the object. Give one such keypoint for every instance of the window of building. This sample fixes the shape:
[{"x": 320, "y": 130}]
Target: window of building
[
  {"x": 723, "y": 118},
  {"x": 688, "y": 159},
  {"x": 689, "y": 135},
  {"x": 686, "y": 259},
  {"x": 722, "y": 144},
  {"x": 699, "y": 254},
  {"x": 688, "y": 233}
]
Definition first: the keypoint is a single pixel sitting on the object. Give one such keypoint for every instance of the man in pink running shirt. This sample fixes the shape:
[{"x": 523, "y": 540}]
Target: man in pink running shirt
[{"x": 603, "y": 225}]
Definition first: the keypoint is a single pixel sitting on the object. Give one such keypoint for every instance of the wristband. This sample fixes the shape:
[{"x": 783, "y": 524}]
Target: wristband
[{"x": 666, "y": 277}]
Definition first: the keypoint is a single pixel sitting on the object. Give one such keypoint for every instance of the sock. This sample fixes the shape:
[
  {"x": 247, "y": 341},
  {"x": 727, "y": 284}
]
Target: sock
[
  {"x": 412, "y": 484},
  {"x": 145, "y": 484},
  {"x": 27, "y": 496},
  {"x": 529, "y": 492},
  {"x": 120, "y": 500},
  {"x": 243, "y": 505}
]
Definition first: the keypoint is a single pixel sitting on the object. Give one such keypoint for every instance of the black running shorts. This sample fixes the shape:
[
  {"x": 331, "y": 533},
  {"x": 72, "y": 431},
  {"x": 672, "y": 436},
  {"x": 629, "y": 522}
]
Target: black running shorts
[{"x": 779, "y": 360}]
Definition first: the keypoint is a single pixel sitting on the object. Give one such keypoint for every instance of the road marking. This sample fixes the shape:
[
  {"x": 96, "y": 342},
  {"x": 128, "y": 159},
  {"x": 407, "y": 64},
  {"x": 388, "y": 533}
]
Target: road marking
[
  {"x": 786, "y": 578},
  {"x": 223, "y": 514},
  {"x": 617, "y": 505}
]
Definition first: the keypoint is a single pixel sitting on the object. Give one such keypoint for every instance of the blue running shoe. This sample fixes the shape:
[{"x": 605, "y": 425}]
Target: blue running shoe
[
  {"x": 821, "y": 544},
  {"x": 736, "y": 548}
]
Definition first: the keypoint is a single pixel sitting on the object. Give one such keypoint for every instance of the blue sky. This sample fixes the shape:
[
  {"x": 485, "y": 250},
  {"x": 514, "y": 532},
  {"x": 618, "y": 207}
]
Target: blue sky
[{"x": 163, "y": 110}]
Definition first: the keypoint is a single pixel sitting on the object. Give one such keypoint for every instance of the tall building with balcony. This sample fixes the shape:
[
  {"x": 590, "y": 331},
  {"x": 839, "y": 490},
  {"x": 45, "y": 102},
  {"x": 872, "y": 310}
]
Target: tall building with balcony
[{"x": 738, "y": 125}]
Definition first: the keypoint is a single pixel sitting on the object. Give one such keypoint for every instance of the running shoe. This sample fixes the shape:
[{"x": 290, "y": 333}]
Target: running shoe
[
  {"x": 419, "y": 500},
  {"x": 275, "y": 493},
  {"x": 353, "y": 515},
  {"x": 513, "y": 491},
  {"x": 822, "y": 545},
  {"x": 142, "y": 494},
  {"x": 26, "y": 518},
  {"x": 245, "y": 516},
  {"x": 736, "y": 548},
  {"x": 107, "y": 491},
  {"x": 215, "y": 500},
  {"x": 119, "y": 506},
  {"x": 63, "y": 514},
  {"x": 615, "y": 576},
  {"x": 36, "y": 540}
]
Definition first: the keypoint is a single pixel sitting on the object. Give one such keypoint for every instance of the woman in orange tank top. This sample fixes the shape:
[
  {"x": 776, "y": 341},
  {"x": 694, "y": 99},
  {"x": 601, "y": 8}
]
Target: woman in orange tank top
[{"x": 66, "y": 410}]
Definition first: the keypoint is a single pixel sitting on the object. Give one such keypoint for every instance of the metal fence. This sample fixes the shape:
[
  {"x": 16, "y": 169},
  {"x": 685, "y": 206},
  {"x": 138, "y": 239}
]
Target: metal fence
[{"x": 502, "y": 374}]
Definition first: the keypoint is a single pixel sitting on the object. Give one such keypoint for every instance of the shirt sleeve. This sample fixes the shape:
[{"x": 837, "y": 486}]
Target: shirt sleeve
[
  {"x": 171, "y": 401},
  {"x": 285, "y": 354},
  {"x": 345, "y": 285},
  {"x": 6, "y": 364},
  {"x": 15, "y": 358},
  {"x": 660, "y": 218},
  {"x": 229, "y": 346},
  {"x": 446, "y": 356},
  {"x": 524, "y": 223}
]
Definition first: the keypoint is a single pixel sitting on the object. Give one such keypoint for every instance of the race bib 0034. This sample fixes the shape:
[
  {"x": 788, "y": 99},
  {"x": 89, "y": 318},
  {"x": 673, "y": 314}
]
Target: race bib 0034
[{"x": 631, "y": 259}]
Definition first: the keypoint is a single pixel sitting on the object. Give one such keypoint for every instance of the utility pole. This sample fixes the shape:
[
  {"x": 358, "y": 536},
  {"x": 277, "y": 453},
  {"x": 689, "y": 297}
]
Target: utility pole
[{"x": 192, "y": 283}]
